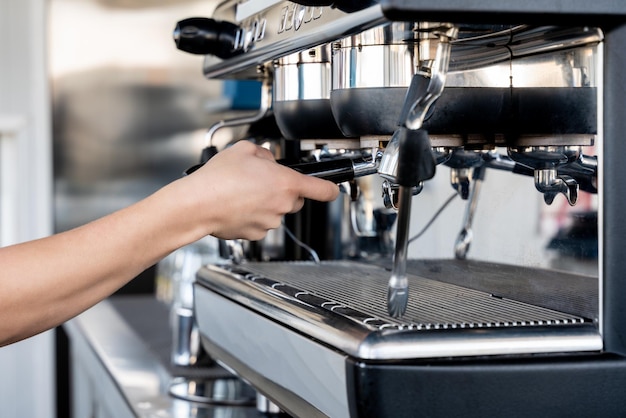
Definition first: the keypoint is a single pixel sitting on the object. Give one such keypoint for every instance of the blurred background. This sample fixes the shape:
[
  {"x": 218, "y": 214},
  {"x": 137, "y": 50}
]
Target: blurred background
[
  {"x": 98, "y": 109},
  {"x": 129, "y": 109},
  {"x": 129, "y": 113}
]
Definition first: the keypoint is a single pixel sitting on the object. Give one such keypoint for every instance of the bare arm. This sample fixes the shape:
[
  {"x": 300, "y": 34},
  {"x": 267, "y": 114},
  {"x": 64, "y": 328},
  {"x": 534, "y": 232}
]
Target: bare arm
[{"x": 240, "y": 193}]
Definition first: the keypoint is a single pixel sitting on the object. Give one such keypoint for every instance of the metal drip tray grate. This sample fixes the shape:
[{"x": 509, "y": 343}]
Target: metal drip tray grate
[
  {"x": 335, "y": 298},
  {"x": 360, "y": 292}
]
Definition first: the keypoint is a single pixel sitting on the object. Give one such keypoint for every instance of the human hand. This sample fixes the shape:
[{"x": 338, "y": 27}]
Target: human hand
[{"x": 242, "y": 192}]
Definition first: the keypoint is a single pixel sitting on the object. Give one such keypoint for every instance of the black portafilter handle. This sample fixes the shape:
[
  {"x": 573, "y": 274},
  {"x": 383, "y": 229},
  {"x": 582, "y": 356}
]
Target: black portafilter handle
[
  {"x": 337, "y": 170},
  {"x": 207, "y": 153},
  {"x": 204, "y": 36}
]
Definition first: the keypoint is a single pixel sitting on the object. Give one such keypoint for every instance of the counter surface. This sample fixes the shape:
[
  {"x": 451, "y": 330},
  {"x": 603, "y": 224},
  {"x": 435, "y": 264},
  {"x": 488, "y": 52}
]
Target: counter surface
[{"x": 120, "y": 348}]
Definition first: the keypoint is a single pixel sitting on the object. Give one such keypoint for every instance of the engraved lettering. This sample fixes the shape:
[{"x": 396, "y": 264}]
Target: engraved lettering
[
  {"x": 294, "y": 16},
  {"x": 317, "y": 12},
  {"x": 308, "y": 16},
  {"x": 289, "y": 17},
  {"x": 249, "y": 38},
  {"x": 298, "y": 16},
  {"x": 239, "y": 39},
  {"x": 283, "y": 19},
  {"x": 261, "y": 30}
]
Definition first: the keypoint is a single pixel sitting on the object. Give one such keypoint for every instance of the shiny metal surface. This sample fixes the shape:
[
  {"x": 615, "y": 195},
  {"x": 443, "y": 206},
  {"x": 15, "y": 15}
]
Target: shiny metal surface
[
  {"x": 545, "y": 156},
  {"x": 186, "y": 348},
  {"x": 418, "y": 103},
  {"x": 233, "y": 391},
  {"x": 386, "y": 49},
  {"x": 545, "y": 160},
  {"x": 278, "y": 335},
  {"x": 550, "y": 183},
  {"x": 320, "y": 25},
  {"x": 398, "y": 285},
  {"x": 569, "y": 67},
  {"x": 438, "y": 71},
  {"x": 307, "y": 81},
  {"x": 266, "y": 406},
  {"x": 376, "y": 58},
  {"x": 389, "y": 162},
  {"x": 305, "y": 76},
  {"x": 341, "y": 304},
  {"x": 464, "y": 239},
  {"x": 282, "y": 35},
  {"x": 366, "y": 75},
  {"x": 519, "y": 41},
  {"x": 305, "y": 378},
  {"x": 301, "y": 95}
]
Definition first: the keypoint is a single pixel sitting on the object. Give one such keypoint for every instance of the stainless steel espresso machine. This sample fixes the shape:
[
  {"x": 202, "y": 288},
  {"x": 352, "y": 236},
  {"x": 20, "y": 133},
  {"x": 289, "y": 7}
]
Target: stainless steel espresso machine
[{"x": 387, "y": 94}]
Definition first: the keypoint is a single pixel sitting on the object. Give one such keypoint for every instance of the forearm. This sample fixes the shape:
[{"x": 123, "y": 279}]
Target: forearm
[
  {"x": 45, "y": 282},
  {"x": 240, "y": 193}
]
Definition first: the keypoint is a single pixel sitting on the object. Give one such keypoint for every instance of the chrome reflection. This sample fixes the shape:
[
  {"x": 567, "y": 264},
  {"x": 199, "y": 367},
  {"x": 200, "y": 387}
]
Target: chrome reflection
[{"x": 222, "y": 391}]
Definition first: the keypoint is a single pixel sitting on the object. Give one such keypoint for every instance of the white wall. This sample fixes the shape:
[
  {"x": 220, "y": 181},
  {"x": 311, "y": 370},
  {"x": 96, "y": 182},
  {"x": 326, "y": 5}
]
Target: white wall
[
  {"x": 26, "y": 368},
  {"x": 506, "y": 226}
]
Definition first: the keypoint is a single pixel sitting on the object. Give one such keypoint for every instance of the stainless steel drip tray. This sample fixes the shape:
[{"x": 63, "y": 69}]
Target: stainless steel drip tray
[{"x": 343, "y": 305}]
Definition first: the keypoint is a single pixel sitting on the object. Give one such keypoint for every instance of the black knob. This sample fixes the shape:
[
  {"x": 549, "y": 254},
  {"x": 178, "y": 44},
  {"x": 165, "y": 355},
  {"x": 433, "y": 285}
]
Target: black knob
[
  {"x": 415, "y": 157},
  {"x": 204, "y": 36}
]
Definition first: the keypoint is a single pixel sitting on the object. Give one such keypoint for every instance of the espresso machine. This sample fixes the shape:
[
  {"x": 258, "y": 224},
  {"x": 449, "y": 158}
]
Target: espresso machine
[{"x": 388, "y": 94}]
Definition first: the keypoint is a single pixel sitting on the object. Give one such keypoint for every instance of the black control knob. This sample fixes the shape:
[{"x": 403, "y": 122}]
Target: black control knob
[{"x": 204, "y": 36}]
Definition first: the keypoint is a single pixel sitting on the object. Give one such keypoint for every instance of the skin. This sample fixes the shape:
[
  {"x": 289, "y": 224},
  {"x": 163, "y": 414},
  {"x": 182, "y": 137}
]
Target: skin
[{"x": 241, "y": 193}]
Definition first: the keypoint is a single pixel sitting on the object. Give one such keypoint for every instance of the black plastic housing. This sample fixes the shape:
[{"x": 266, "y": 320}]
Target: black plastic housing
[{"x": 473, "y": 111}]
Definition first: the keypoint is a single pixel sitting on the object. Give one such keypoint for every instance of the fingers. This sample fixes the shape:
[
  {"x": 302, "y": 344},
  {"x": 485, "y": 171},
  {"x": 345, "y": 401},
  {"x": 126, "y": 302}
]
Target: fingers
[
  {"x": 317, "y": 189},
  {"x": 298, "y": 204},
  {"x": 309, "y": 187},
  {"x": 254, "y": 190}
]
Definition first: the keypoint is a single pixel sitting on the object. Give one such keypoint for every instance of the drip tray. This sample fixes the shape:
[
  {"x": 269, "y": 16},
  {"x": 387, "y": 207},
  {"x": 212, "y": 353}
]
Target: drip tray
[{"x": 343, "y": 305}]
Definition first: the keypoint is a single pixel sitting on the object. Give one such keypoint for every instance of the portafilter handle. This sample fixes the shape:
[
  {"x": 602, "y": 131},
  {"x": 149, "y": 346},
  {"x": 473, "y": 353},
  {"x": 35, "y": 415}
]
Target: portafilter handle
[{"x": 336, "y": 170}]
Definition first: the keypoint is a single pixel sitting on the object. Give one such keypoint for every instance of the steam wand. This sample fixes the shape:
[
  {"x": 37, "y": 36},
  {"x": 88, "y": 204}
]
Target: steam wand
[
  {"x": 409, "y": 156},
  {"x": 465, "y": 237},
  {"x": 415, "y": 164}
]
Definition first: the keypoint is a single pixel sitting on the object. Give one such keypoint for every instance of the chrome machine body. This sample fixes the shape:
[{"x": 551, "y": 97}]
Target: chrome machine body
[{"x": 391, "y": 89}]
